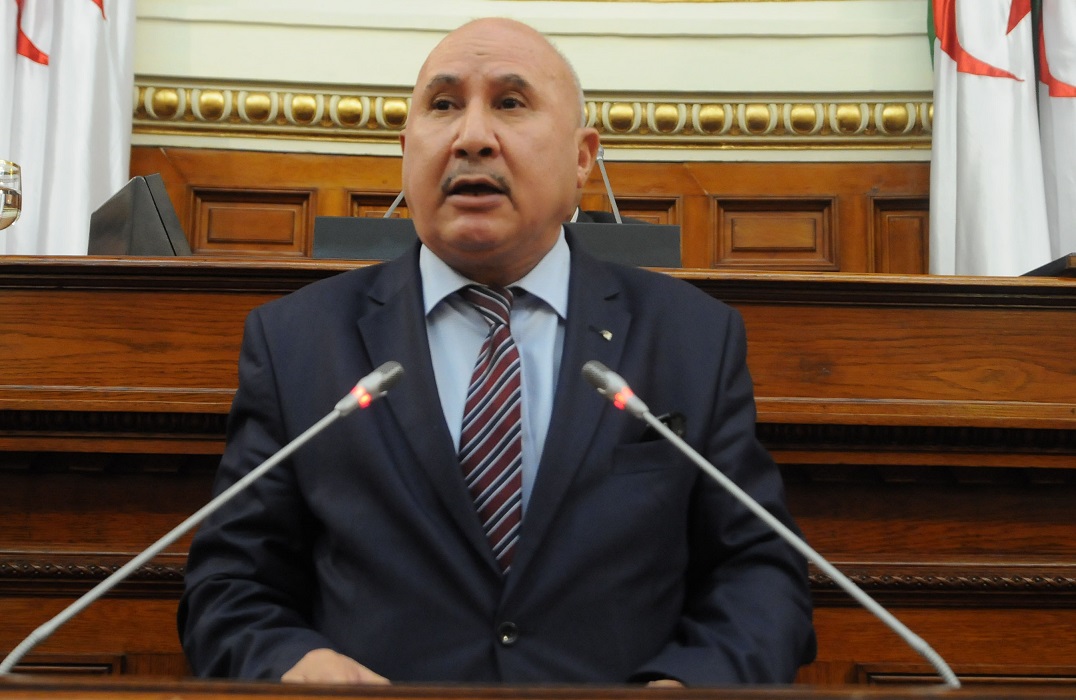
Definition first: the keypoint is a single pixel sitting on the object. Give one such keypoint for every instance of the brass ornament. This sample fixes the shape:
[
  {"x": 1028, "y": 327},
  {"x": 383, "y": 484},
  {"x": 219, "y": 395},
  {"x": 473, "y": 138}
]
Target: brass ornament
[
  {"x": 349, "y": 111},
  {"x": 165, "y": 103},
  {"x": 749, "y": 121},
  {"x": 804, "y": 119},
  {"x": 757, "y": 119},
  {"x": 258, "y": 107},
  {"x": 666, "y": 118},
  {"x": 711, "y": 119},
  {"x": 848, "y": 119},
  {"x": 211, "y": 105},
  {"x": 392, "y": 112},
  {"x": 620, "y": 117},
  {"x": 303, "y": 109},
  {"x": 895, "y": 119}
]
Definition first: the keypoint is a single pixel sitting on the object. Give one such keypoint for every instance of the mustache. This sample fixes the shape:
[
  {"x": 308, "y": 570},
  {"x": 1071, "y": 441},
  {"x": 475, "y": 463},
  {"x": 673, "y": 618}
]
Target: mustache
[{"x": 450, "y": 181}]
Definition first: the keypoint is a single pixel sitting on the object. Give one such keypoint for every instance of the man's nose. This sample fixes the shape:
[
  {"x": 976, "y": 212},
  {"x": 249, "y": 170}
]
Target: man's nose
[{"x": 477, "y": 137}]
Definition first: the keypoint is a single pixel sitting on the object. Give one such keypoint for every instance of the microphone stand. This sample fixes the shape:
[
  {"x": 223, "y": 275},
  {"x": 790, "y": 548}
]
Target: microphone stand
[
  {"x": 614, "y": 388},
  {"x": 369, "y": 388}
]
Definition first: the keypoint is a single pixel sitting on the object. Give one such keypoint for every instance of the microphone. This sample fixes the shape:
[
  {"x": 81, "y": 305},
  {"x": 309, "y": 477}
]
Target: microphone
[
  {"x": 370, "y": 388},
  {"x": 608, "y": 187},
  {"x": 392, "y": 207},
  {"x": 612, "y": 386}
]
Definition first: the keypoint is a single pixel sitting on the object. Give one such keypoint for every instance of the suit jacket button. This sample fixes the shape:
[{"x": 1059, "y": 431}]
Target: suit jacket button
[{"x": 507, "y": 633}]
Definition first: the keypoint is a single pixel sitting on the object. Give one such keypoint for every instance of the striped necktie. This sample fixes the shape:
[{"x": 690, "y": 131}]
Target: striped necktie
[{"x": 491, "y": 438}]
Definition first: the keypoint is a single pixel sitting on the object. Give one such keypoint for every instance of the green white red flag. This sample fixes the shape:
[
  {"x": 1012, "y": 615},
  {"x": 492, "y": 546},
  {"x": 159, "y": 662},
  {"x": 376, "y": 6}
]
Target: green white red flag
[
  {"x": 1057, "y": 120},
  {"x": 66, "y": 81},
  {"x": 987, "y": 194}
]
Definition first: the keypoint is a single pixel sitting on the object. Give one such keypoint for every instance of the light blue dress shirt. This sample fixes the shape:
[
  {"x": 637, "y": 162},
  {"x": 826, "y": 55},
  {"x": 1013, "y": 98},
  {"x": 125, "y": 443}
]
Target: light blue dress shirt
[{"x": 456, "y": 332}]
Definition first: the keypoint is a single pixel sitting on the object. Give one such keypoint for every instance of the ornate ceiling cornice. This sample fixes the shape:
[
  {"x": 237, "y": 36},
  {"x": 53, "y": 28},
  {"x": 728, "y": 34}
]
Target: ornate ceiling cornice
[{"x": 626, "y": 120}]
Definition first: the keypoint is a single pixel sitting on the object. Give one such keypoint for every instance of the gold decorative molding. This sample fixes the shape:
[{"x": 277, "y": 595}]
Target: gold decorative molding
[{"x": 707, "y": 121}]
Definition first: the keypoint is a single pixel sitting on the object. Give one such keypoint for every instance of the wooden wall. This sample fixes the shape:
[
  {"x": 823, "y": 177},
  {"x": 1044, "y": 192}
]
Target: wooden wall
[
  {"x": 823, "y": 217},
  {"x": 926, "y": 429}
]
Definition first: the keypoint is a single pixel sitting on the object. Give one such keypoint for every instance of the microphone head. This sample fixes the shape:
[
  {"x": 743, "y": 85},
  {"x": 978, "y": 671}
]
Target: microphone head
[
  {"x": 613, "y": 387},
  {"x": 390, "y": 373},
  {"x": 596, "y": 375},
  {"x": 371, "y": 387}
]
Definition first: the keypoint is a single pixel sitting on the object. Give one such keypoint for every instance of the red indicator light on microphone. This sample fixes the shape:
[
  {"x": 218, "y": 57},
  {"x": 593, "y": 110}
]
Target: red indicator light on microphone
[
  {"x": 362, "y": 396},
  {"x": 621, "y": 398}
]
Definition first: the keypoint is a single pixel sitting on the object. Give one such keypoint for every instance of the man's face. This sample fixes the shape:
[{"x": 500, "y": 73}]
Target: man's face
[{"x": 493, "y": 153}]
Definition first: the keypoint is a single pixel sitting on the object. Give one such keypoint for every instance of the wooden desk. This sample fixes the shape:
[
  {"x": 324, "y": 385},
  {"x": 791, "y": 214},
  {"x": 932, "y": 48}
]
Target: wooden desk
[
  {"x": 926, "y": 428},
  {"x": 142, "y": 689}
]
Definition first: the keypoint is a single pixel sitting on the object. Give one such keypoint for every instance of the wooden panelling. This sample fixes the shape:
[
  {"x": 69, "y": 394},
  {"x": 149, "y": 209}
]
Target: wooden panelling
[
  {"x": 260, "y": 193},
  {"x": 277, "y": 222},
  {"x": 777, "y": 234},
  {"x": 72, "y": 664},
  {"x": 973, "y": 676},
  {"x": 901, "y": 235},
  {"x": 647, "y": 210},
  {"x": 374, "y": 205},
  {"x": 848, "y": 217},
  {"x": 925, "y": 427}
]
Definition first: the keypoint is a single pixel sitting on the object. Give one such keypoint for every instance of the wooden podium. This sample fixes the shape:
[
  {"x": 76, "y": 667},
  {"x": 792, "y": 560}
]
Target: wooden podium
[
  {"x": 89, "y": 689},
  {"x": 926, "y": 429}
]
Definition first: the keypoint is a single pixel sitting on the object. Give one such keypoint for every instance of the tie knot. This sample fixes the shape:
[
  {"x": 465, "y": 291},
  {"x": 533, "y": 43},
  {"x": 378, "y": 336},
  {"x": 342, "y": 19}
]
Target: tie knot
[{"x": 494, "y": 303}]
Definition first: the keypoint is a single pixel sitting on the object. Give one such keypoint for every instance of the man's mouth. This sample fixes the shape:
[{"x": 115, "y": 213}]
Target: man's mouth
[{"x": 475, "y": 186}]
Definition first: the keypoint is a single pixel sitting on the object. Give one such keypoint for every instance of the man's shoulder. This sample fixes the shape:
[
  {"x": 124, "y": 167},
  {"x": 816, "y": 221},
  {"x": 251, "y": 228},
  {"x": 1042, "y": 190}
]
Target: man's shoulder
[
  {"x": 650, "y": 285},
  {"x": 344, "y": 291},
  {"x": 657, "y": 300}
]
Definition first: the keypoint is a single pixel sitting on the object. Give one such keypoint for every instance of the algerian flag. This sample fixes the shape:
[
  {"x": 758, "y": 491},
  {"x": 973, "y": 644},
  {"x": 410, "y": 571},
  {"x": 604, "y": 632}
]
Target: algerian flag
[
  {"x": 66, "y": 80},
  {"x": 987, "y": 200},
  {"x": 1057, "y": 119}
]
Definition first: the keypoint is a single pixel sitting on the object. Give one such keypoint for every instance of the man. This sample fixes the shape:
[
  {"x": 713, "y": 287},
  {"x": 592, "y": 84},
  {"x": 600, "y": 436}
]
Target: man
[{"x": 365, "y": 558}]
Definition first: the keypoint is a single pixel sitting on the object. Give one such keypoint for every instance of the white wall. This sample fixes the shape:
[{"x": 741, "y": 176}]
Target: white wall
[{"x": 788, "y": 50}]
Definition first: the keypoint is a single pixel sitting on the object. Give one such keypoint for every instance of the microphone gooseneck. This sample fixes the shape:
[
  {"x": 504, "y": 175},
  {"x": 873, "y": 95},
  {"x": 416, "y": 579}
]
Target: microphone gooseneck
[
  {"x": 392, "y": 207},
  {"x": 613, "y": 387},
  {"x": 608, "y": 187},
  {"x": 370, "y": 388}
]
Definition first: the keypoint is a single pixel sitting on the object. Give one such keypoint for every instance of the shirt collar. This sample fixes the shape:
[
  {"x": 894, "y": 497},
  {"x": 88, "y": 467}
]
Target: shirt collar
[{"x": 548, "y": 280}]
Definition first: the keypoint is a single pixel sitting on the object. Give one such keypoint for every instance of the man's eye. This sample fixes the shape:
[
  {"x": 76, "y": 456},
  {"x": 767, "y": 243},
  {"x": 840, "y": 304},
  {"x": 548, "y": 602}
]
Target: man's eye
[
  {"x": 441, "y": 105},
  {"x": 511, "y": 103}
]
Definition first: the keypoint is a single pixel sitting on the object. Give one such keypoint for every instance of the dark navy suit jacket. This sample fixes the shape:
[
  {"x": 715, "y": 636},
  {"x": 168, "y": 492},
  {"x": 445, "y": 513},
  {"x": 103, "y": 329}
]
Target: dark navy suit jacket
[{"x": 631, "y": 563}]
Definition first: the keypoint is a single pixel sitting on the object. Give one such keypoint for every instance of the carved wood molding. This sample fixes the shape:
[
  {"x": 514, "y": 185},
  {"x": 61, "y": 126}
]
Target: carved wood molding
[
  {"x": 66, "y": 574},
  {"x": 135, "y": 441},
  {"x": 915, "y": 437},
  {"x": 72, "y": 664},
  {"x": 952, "y": 585},
  {"x": 101, "y": 423},
  {"x": 927, "y": 584},
  {"x": 977, "y": 675}
]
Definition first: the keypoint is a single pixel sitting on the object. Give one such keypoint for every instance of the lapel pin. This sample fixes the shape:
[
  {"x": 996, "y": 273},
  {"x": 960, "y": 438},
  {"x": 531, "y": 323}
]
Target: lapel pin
[{"x": 608, "y": 335}]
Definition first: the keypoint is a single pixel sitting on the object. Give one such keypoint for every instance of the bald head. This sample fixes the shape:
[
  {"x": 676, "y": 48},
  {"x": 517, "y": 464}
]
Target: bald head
[{"x": 516, "y": 33}]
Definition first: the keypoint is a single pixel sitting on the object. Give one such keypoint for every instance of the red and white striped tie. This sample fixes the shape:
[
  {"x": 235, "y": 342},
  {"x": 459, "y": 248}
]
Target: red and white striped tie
[{"x": 491, "y": 439}]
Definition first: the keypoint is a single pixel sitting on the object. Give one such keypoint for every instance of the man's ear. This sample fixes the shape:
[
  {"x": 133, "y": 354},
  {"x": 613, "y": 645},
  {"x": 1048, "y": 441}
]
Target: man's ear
[{"x": 589, "y": 140}]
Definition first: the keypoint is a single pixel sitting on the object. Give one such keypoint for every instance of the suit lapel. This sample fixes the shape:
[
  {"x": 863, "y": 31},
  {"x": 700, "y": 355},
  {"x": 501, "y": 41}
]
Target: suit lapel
[
  {"x": 395, "y": 330},
  {"x": 596, "y": 329}
]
